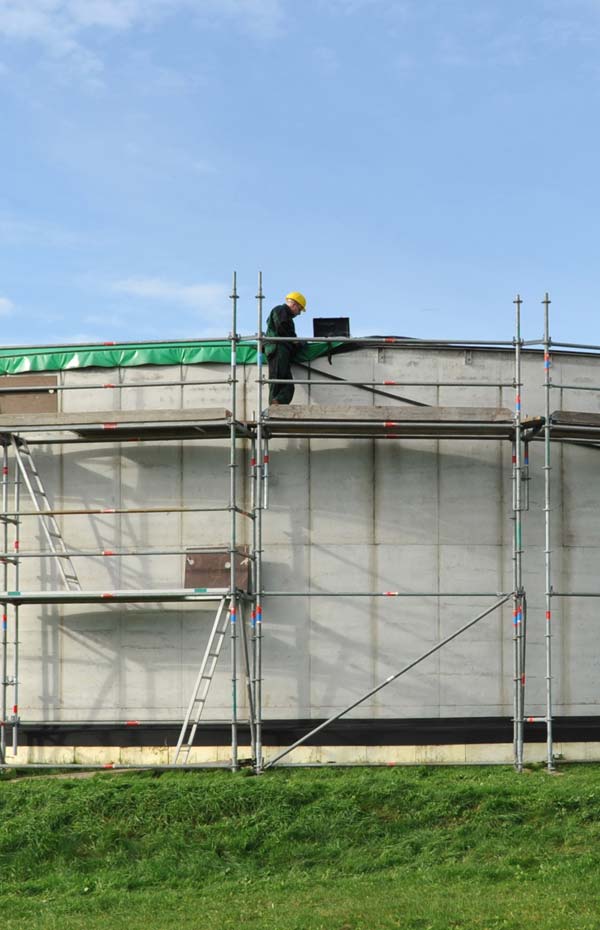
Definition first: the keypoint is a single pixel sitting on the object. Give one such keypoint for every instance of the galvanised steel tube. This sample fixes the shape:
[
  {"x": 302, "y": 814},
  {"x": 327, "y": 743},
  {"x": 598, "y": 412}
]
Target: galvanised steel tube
[
  {"x": 110, "y": 345},
  {"x": 383, "y": 684},
  {"x": 547, "y": 538},
  {"x": 573, "y": 387},
  {"x": 55, "y": 388},
  {"x": 395, "y": 341},
  {"x": 233, "y": 527},
  {"x": 3, "y": 722},
  {"x": 518, "y": 620},
  {"x": 389, "y": 383},
  {"x": 258, "y": 760},
  {"x": 385, "y": 594},
  {"x": 99, "y": 553},
  {"x": 108, "y": 511},
  {"x": 574, "y": 345},
  {"x": 15, "y": 710}
]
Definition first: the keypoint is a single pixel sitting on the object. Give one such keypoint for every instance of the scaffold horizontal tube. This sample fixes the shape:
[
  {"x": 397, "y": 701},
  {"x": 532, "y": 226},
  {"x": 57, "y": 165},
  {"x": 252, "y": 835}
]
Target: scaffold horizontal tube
[
  {"x": 392, "y": 341},
  {"x": 389, "y": 383},
  {"x": 55, "y": 388},
  {"x": 384, "y": 594},
  {"x": 573, "y": 387}
]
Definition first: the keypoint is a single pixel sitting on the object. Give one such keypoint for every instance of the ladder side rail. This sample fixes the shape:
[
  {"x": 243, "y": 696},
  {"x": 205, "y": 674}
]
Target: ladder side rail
[
  {"x": 48, "y": 522},
  {"x": 217, "y": 634}
]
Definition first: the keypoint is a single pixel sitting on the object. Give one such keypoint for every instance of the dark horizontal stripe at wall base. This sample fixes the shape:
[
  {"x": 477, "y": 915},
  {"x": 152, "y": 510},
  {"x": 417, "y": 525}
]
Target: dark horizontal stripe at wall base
[{"x": 402, "y": 732}]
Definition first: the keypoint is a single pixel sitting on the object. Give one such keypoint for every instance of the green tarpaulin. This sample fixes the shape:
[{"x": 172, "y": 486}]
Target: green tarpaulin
[{"x": 62, "y": 358}]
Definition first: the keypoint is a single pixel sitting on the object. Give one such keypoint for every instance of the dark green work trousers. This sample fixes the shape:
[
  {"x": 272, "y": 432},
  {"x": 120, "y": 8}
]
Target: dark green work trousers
[{"x": 280, "y": 366}]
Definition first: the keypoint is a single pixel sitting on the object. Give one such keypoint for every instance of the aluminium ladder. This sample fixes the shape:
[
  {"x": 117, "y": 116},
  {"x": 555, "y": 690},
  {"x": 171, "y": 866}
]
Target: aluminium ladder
[
  {"x": 205, "y": 677},
  {"x": 33, "y": 483},
  {"x": 203, "y": 683}
]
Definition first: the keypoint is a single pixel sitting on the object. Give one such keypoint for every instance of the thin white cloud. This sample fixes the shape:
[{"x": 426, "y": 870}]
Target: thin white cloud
[
  {"x": 208, "y": 300},
  {"x": 65, "y": 27},
  {"x": 6, "y": 306}
]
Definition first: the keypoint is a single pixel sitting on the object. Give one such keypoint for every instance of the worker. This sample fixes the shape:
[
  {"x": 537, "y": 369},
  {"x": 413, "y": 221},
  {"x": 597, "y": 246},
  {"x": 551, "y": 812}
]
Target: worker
[{"x": 280, "y": 354}]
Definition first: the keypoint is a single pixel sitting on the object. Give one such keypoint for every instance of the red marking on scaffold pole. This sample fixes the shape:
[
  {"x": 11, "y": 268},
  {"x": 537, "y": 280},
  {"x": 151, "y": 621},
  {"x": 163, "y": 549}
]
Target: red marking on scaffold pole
[
  {"x": 266, "y": 460},
  {"x": 108, "y": 765},
  {"x": 15, "y": 709},
  {"x": 108, "y": 510},
  {"x": 132, "y": 723},
  {"x": 390, "y": 594},
  {"x": 109, "y": 426},
  {"x": 252, "y": 463},
  {"x": 4, "y": 621},
  {"x": 548, "y": 615},
  {"x": 107, "y": 552},
  {"x": 108, "y": 595},
  {"x": 390, "y": 339},
  {"x": 16, "y": 544},
  {"x": 390, "y": 423},
  {"x": 547, "y": 360},
  {"x": 515, "y": 617},
  {"x": 390, "y": 764},
  {"x": 390, "y": 382},
  {"x": 259, "y": 614},
  {"x": 514, "y": 459},
  {"x": 232, "y": 615},
  {"x": 522, "y": 679},
  {"x": 109, "y": 343},
  {"x": 4, "y": 470},
  {"x": 109, "y": 385},
  {"x": 531, "y": 720}
]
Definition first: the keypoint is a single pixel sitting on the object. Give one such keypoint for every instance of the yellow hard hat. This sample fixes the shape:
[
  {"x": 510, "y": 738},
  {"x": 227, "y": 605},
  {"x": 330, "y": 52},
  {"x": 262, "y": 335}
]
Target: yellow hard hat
[{"x": 298, "y": 297}]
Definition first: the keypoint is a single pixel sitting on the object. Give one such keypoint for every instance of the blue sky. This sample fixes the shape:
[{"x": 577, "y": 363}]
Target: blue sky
[{"x": 409, "y": 163}]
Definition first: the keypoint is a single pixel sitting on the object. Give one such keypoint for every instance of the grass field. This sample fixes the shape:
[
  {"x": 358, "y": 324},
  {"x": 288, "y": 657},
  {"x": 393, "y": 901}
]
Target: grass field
[{"x": 354, "y": 849}]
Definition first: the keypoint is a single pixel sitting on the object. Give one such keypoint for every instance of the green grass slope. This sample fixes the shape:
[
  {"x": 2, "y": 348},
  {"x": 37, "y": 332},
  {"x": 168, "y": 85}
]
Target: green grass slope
[{"x": 355, "y": 849}]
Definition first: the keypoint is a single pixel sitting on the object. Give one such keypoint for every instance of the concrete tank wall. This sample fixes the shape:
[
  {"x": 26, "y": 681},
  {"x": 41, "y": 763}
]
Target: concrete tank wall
[{"x": 344, "y": 515}]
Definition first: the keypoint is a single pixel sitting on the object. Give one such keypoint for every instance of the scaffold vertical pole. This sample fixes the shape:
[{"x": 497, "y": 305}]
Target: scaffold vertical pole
[
  {"x": 17, "y": 578},
  {"x": 233, "y": 534},
  {"x": 4, "y": 605},
  {"x": 547, "y": 541},
  {"x": 258, "y": 762},
  {"x": 518, "y": 600}
]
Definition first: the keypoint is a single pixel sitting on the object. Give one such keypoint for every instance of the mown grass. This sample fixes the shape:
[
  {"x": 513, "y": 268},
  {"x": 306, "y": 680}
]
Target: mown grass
[{"x": 357, "y": 849}]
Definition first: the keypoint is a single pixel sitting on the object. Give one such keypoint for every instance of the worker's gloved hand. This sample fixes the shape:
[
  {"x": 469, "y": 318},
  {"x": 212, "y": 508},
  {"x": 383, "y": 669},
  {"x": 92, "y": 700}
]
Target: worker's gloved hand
[{"x": 301, "y": 349}]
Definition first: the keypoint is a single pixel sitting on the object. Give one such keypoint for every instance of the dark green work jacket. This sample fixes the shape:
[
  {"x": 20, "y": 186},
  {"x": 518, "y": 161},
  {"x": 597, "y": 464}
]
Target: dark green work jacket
[{"x": 280, "y": 323}]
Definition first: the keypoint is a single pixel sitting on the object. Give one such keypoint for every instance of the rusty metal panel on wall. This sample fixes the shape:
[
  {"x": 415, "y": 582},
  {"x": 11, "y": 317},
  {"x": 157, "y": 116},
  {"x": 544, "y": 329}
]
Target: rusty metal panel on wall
[
  {"x": 210, "y": 568},
  {"x": 16, "y": 401}
]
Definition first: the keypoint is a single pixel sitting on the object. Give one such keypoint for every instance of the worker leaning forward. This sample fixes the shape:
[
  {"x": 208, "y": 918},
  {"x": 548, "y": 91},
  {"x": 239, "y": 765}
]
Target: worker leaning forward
[{"x": 280, "y": 354}]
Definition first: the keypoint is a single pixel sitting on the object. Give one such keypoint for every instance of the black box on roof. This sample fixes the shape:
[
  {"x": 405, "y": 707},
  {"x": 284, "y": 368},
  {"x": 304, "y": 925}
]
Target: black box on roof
[{"x": 331, "y": 326}]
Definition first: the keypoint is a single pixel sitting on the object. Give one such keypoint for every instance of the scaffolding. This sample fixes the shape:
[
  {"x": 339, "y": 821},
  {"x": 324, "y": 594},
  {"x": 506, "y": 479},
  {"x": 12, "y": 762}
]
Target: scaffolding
[
  {"x": 416, "y": 421},
  {"x": 239, "y": 612},
  {"x": 561, "y": 426}
]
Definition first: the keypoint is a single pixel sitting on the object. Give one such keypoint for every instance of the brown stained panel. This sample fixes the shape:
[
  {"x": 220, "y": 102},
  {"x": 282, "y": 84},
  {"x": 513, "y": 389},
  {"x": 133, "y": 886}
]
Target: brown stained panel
[
  {"x": 42, "y": 401},
  {"x": 210, "y": 569}
]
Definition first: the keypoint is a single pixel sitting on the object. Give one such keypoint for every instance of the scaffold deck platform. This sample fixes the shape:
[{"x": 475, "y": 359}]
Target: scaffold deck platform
[
  {"x": 390, "y": 422},
  {"x": 123, "y": 425}
]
